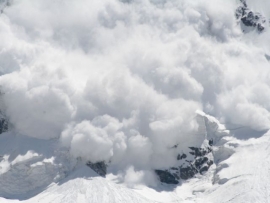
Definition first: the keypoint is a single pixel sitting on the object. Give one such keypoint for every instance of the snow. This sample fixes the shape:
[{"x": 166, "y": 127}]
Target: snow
[
  {"x": 243, "y": 177},
  {"x": 123, "y": 81},
  {"x": 29, "y": 165},
  {"x": 86, "y": 187}
]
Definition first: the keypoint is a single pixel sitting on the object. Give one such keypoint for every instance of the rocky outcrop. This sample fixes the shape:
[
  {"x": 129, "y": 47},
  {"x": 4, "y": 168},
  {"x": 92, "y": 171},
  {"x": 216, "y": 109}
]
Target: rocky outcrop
[
  {"x": 198, "y": 161},
  {"x": 3, "y": 124},
  {"x": 99, "y": 167},
  {"x": 170, "y": 176},
  {"x": 249, "y": 19}
]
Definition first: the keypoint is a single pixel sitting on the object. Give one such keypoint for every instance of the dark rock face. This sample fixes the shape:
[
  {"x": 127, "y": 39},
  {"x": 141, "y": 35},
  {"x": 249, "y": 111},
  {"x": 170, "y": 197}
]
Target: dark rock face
[
  {"x": 166, "y": 176},
  {"x": 211, "y": 142},
  {"x": 250, "y": 18},
  {"x": 99, "y": 167},
  {"x": 3, "y": 125},
  {"x": 187, "y": 172},
  {"x": 198, "y": 162},
  {"x": 183, "y": 156},
  {"x": 199, "y": 152}
]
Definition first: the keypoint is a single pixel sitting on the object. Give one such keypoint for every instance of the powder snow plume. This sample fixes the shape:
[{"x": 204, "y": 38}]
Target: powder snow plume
[{"x": 121, "y": 81}]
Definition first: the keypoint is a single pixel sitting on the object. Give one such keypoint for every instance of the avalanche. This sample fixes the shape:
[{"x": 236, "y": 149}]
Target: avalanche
[{"x": 134, "y": 101}]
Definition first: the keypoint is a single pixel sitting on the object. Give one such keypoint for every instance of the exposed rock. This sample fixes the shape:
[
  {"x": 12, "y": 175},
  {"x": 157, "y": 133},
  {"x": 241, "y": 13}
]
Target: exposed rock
[
  {"x": 3, "y": 125},
  {"x": 199, "y": 162},
  {"x": 211, "y": 142},
  {"x": 249, "y": 18},
  {"x": 183, "y": 156},
  {"x": 198, "y": 152},
  {"x": 99, "y": 167},
  {"x": 204, "y": 169},
  {"x": 166, "y": 176},
  {"x": 187, "y": 172}
]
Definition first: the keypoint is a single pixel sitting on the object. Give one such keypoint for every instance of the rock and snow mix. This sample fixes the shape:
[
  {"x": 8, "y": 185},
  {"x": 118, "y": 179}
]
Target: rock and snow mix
[{"x": 121, "y": 85}]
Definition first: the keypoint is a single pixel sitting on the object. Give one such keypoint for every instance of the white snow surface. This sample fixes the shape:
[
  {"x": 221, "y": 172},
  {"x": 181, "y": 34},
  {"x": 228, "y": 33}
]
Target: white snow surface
[
  {"x": 243, "y": 177},
  {"x": 240, "y": 174},
  {"x": 123, "y": 81},
  {"x": 85, "y": 186}
]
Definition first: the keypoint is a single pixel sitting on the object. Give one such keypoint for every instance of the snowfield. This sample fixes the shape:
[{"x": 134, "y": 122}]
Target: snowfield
[{"x": 148, "y": 92}]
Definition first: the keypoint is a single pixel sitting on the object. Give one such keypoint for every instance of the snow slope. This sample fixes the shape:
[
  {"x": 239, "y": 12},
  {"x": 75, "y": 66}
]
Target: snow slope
[
  {"x": 239, "y": 176},
  {"x": 86, "y": 187},
  {"x": 244, "y": 177}
]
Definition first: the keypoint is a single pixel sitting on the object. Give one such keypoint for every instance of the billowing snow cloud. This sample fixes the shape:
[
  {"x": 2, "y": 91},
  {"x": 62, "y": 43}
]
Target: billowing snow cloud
[{"x": 121, "y": 80}]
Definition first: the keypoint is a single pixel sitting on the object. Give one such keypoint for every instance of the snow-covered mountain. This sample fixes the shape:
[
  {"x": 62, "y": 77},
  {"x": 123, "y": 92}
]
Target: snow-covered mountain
[{"x": 134, "y": 101}]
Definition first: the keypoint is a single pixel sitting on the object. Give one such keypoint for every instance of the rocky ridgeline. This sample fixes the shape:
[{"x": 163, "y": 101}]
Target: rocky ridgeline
[
  {"x": 198, "y": 160},
  {"x": 249, "y": 19}
]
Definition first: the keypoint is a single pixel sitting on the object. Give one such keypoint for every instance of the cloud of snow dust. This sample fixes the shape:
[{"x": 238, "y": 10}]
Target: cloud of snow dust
[{"x": 121, "y": 80}]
